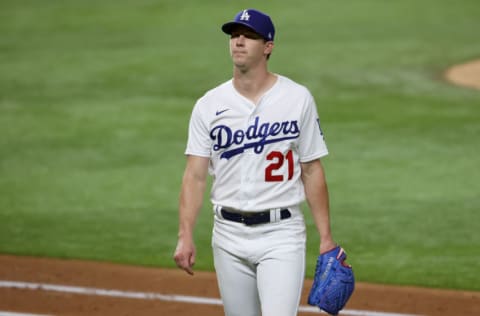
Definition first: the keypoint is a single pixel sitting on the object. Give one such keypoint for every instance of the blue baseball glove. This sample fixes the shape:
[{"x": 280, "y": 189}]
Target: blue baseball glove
[{"x": 334, "y": 282}]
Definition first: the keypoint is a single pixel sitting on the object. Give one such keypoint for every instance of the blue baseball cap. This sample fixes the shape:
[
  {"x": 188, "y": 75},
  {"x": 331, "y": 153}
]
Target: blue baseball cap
[{"x": 254, "y": 19}]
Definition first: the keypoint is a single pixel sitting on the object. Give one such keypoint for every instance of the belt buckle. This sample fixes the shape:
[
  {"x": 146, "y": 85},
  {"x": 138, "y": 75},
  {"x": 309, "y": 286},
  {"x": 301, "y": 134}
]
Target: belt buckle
[
  {"x": 249, "y": 219},
  {"x": 246, "y": 220}
]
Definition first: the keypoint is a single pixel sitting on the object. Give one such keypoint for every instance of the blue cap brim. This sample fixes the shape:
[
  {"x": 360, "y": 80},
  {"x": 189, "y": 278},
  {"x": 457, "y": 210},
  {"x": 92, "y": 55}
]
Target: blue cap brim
[{"x": 227, "y": 28}]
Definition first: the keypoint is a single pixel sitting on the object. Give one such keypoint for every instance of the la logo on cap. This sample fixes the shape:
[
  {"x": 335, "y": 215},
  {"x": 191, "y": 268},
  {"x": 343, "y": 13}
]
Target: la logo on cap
[{"x": 245, "y": 16}]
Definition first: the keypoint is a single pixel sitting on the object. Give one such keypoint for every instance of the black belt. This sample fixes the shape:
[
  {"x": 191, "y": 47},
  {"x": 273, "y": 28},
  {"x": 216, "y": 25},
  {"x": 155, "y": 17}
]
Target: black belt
[{"x": 253, "y": 218}]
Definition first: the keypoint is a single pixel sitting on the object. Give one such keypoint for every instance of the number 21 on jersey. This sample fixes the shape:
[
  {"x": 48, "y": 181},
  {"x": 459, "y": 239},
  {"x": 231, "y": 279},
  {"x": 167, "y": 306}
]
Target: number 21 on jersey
[{"x": 274, "y": 172}]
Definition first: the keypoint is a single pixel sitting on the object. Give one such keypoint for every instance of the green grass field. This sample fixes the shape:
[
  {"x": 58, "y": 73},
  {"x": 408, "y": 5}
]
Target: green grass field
[{"x": 95, "y": 98}]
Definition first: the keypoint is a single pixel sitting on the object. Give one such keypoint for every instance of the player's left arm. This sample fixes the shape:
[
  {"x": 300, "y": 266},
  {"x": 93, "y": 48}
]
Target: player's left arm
[{"x": 316, "y": 191}]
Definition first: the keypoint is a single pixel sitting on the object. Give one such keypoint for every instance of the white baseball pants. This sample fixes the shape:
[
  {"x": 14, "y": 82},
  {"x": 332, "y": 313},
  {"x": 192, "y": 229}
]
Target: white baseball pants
[{"x": 260, "y": 269}]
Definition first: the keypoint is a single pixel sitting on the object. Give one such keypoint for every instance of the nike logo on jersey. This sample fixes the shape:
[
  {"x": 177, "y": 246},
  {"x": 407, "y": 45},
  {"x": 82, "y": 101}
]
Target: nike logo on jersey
[
  {"x": 259, "y": 135},
  {"x": 220, "y": 112}
]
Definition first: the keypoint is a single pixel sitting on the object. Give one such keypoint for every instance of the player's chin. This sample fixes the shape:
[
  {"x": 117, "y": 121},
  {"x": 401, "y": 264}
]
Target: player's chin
[{"x": 239, "y": 63}]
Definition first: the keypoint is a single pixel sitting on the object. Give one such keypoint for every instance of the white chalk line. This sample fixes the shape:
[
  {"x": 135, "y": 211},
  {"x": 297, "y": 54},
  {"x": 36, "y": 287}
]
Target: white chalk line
[
  {"x": 161, "y": 297},
  {"x": 3, "y": 313}
]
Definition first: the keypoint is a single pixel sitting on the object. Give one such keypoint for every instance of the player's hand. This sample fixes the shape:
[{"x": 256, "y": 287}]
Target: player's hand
[{"x": 185, "y": 254}]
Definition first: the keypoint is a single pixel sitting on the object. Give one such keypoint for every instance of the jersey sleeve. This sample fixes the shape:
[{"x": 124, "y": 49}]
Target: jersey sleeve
[
  {"x": 199, "y": 143},
  {"x": 312, "y": 142}
]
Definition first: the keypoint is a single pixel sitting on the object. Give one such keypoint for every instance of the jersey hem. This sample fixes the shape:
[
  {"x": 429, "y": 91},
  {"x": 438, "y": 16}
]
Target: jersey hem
[{"x": 259, "y": 208}]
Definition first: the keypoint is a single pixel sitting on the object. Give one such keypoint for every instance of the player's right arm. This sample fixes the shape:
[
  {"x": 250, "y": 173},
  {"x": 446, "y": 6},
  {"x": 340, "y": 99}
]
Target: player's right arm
[{"x": 191, "y": 200}]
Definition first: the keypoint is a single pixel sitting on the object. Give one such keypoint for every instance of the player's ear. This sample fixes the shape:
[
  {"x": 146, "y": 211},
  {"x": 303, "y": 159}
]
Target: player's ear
[{"x": 268, "y": 48}]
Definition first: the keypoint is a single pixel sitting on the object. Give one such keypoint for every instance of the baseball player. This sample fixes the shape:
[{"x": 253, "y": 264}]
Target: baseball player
[{"x": 259, "y": 137}]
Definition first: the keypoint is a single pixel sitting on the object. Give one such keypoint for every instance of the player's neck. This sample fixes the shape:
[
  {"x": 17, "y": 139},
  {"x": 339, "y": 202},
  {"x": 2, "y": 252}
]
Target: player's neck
[{"x": 253, "y": 84}]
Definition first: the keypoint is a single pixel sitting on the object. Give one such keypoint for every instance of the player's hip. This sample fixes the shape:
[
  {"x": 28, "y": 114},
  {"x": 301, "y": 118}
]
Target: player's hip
[{"x": 285, "y": 231}]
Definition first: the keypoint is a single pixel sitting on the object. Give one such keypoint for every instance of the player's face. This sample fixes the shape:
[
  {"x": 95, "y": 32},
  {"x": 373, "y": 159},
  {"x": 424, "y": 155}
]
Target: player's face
[{"x": 247, "y": 46}]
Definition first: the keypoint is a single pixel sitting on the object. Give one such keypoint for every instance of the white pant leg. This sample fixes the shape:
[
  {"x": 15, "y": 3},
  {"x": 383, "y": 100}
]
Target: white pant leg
[
  {"x": 260, "y": 263},
  {"x": 280, "y": 278},
  {"x": 237, "y": 283}
]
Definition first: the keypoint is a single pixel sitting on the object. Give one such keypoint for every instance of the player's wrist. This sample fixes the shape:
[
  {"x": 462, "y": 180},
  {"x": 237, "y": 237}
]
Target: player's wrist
[
  {"x": 327, "y": 245},
  {"x": 185, "y": 234}
]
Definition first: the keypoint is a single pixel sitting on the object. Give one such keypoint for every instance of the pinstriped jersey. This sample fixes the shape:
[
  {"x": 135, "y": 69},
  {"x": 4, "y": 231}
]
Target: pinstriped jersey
[{"x": 255, "y": 150}]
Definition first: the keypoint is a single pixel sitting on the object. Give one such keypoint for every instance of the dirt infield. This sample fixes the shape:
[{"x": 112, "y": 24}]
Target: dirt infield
[
  {"x": 75, "y": 274},
  {"x": 467, "y": 74}
]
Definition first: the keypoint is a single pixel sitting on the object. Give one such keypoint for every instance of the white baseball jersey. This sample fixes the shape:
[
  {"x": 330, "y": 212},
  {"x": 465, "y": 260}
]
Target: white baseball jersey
[{"x": 255, "y": 150}]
